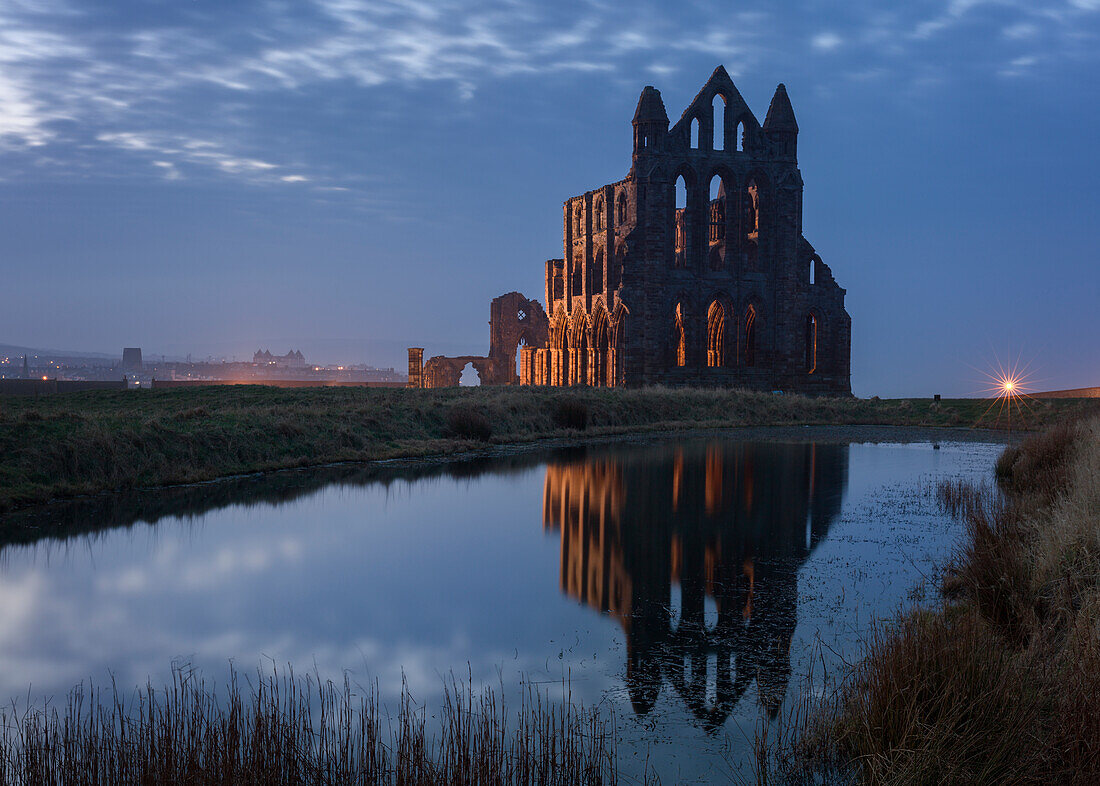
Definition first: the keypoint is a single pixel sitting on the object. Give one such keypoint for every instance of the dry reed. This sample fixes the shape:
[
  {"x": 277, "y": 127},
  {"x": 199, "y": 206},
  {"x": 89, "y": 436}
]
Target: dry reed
[
  {"x": 1001, "y": 682},
  {"x": 286, "y": 729}
]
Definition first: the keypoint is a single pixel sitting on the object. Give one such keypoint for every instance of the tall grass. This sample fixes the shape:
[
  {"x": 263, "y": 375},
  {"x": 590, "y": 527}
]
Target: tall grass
[
  {"x": 83, "y": 443},
  {"x": 1000, "y": 683},
  {"x": 284, "y": 729}
]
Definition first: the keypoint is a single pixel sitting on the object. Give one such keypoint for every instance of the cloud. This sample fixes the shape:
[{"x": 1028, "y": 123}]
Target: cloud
[
  {"x": 1019, "y": 66},
  {"x": 1021, "y": 30},
  {"x": 195, "y": 89},
  {"x": 826, "y": 42},
  {"x": 952, "y": 14},
  {"x": 185, "y": 150},
  {"x": 169, "y": 169}
]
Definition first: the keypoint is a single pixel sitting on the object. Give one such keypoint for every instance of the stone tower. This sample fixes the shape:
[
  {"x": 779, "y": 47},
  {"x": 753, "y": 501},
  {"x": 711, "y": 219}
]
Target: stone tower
[{"x": 693, "y": 268}]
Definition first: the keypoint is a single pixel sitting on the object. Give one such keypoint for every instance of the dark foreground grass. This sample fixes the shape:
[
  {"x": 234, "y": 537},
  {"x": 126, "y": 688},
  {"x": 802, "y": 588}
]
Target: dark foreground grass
[
  {"x": 295, "y": 730},
  {"x": 68, "y": 445},
  {"x": 1001, "y": 682}
]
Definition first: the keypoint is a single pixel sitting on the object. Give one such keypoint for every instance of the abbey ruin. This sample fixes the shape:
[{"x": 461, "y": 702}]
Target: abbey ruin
[{"x": 692, "y": 270}]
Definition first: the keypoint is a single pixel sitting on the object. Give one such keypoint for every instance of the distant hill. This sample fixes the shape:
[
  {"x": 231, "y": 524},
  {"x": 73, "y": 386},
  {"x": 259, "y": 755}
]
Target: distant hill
[{"x": 1075, "y": 393}]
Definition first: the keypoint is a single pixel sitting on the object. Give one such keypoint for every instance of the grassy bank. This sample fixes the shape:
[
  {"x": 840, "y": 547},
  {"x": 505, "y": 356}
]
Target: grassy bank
[
  {"x": 68, "y": 445},
  {"x": 1001, "y": 683},
  {"x": 300, "y": 730}
]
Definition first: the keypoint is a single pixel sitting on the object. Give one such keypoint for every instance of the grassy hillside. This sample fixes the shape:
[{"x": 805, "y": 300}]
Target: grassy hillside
[{"x": 67, "y": 445}]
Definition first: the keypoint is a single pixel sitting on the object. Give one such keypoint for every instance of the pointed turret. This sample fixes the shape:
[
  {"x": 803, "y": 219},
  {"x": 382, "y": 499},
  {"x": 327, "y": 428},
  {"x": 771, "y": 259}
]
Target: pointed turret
[
  {"x": 650, "y": 121},
  {"x": 780, "y": 126},
  {"x": 780, "y": 113},
  {"x": 650, "y": 106}
]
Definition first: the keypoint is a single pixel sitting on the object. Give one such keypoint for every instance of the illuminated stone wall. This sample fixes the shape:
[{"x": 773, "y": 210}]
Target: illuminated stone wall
[{"x": 721, "y": 290}]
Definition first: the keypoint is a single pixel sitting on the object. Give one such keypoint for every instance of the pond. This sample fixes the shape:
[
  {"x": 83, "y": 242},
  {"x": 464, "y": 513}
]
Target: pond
[{"x": 685, "y": 584}]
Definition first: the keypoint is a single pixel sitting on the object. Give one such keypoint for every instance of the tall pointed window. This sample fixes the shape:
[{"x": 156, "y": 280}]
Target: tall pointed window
[
  {"x": 615, "y": 277},
  {"x": 716, "y": 335},
  {"x": 681, "y": 222},
  {"x": 752, "y": 210},
  {"x": 718, "y": 107},
  {"x": 750, "y": 336},
  {"x": 717, "y": 209},
  {"x": 811, "y": 344},
  {"x": 694, "y": 133},
  {"x": 679, "y": 340}
]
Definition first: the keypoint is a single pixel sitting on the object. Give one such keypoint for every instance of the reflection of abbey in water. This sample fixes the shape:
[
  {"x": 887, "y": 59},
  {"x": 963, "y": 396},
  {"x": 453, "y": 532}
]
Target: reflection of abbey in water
[{"x": 730, "y": 521}]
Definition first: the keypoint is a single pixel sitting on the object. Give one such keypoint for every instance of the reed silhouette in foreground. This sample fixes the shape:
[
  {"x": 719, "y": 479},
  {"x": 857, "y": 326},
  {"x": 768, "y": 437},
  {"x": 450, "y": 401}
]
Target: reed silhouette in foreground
[
  {"x": 1001, "y": 682},
  {"x": 287, "y": 729}
]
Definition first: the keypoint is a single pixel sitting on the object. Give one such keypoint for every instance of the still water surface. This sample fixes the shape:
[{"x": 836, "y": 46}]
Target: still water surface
[{"x": 685, "y": 584}]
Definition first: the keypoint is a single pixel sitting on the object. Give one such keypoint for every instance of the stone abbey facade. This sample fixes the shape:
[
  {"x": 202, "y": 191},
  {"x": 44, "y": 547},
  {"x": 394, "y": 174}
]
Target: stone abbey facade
[{"x": 692, "y": 270}]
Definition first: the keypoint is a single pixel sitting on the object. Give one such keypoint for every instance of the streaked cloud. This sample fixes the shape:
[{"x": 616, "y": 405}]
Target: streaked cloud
[{"x": 188, "y": 85}]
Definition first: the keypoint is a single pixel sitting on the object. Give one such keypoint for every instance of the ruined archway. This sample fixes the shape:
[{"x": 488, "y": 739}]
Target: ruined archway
[
  {"x": 522, "y": 345},
  {"x": 578, "y": 338},
  {"x": 559, "y": 349},
  {"x": 469, "y": 376},
  {"x": 617, "y": 361},
  {"x": 514, "y": 322},
  {"x": 601, "y": 340}
]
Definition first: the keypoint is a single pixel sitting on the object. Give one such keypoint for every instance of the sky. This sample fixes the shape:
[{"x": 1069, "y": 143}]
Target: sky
[{"x": 353, "y": 177}]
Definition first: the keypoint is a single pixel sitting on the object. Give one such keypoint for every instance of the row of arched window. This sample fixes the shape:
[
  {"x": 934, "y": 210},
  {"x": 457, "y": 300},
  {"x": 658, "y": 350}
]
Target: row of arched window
[
  {"x": 599, "y": 214},
  {"x": 718, "y": 128},
  {"x": 718, "y": 217},
  {"x": 743, "y": 337},
  {"x": 595, "y": 273},
  {"x": 587, "y": 351}
]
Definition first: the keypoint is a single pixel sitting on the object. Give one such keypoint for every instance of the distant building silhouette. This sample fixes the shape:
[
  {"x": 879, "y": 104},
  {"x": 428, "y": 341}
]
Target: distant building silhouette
[
  {"x": 131, "y": 359},
  {"x": 292, "y": 359}
]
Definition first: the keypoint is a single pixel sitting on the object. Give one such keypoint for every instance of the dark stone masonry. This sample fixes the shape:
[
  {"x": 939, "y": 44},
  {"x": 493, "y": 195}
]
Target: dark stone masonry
[{"x": 692, "y": 270}]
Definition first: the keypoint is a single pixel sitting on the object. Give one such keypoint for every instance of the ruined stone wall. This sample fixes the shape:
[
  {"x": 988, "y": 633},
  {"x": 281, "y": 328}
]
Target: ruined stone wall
[
  {"x": 515, "y": 322},
  {"x": 717, "y": 290},
  {"x": 722, "y": 289}
]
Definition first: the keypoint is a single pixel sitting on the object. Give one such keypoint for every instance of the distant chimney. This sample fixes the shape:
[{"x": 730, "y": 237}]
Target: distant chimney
[{"x": 131, "y": 359}]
